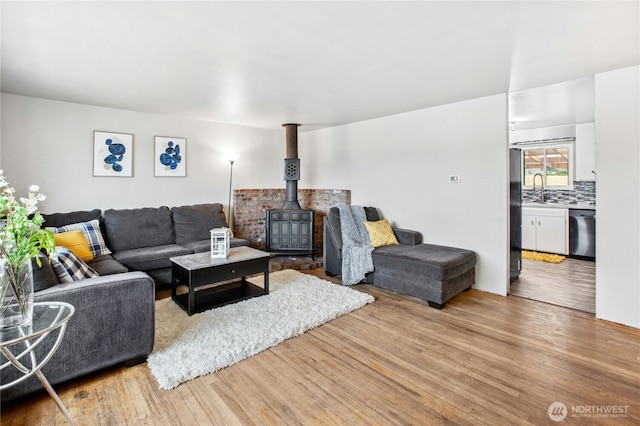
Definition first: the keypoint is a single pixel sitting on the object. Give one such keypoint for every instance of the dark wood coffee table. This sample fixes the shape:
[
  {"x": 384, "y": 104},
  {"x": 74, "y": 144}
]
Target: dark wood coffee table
[{"x": 200, "y": 273}]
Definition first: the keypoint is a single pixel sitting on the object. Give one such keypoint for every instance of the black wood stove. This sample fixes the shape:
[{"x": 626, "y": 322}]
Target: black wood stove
[{"x": 290, "y": 228}]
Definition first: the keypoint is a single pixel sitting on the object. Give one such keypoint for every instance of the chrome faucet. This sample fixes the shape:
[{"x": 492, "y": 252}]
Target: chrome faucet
[{"x": 541, "y": 186}]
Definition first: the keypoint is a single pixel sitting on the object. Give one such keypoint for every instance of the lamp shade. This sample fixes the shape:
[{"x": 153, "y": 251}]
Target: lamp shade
[{"x": 232, "y": 156}]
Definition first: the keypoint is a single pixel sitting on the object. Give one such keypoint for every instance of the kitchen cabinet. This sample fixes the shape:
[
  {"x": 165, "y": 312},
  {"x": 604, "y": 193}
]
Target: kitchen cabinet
[
  {"x": 545, "y": 229},
  {"x": 585, "y": 152}
]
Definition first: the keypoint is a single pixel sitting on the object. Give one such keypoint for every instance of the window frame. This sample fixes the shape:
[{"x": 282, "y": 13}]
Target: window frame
[{"x": 564, "y": 143}]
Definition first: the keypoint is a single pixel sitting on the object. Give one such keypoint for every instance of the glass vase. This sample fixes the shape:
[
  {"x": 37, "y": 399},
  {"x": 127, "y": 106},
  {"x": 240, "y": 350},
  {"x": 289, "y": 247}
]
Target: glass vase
[{"x": 16, "y": 294}]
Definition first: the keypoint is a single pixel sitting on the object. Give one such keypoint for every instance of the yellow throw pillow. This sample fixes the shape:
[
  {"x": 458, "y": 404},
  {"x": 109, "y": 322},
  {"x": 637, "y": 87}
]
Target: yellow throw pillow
[
  {"x": 380, "y": 233},
  {"x": 76, "y": 242}
]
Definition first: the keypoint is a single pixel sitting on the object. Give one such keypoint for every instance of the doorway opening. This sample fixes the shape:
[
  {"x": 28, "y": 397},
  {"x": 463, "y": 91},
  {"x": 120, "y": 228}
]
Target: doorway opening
[{"x": 539, "y": 117}]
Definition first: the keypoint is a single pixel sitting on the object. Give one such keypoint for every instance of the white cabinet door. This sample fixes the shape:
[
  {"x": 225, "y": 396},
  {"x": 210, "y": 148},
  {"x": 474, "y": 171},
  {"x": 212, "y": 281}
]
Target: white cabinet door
[
  {"x": 585, "y": 152},
  {"x": 545, "y": 229},
  {"x": 528, "y": 232},
  {"x": 551, "y": 234}
]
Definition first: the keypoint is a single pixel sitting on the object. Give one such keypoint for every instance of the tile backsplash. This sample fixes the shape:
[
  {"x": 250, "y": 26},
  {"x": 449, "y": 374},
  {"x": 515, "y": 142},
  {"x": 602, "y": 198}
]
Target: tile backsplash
[{"x": 582, "y": 192}]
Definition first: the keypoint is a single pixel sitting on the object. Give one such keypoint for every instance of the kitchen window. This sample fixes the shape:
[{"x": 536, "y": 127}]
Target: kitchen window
[{"x": 553, "y": 161}]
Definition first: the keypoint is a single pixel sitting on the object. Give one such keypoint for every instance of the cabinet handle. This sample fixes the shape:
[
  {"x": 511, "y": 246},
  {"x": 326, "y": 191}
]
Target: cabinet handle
[{"x": 233, "y": 271}]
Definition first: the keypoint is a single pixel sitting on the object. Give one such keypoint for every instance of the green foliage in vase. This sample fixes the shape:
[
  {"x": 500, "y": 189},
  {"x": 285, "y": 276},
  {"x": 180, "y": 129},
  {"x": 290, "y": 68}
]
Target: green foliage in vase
[{"x": 21, "y": 238}]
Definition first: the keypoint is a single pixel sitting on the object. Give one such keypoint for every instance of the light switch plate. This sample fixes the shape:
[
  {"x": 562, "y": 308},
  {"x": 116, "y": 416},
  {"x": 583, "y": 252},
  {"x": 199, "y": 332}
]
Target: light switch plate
[{"x": 454, "y": 178}]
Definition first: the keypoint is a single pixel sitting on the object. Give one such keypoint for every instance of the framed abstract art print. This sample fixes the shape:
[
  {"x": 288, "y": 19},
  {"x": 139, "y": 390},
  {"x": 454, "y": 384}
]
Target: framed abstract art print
[
  {"x": 112, "y": 154},
  {"x": 170, "y": 156}
]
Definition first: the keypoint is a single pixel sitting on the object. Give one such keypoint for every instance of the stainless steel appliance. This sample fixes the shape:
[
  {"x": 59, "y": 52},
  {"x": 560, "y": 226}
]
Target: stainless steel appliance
[
  {"x": 515, "y": 213},
  {"x": 582, "y": 233}
]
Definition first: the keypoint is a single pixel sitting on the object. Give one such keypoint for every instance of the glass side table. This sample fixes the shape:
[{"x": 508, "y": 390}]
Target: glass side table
[{"x": 18, "y": 344}]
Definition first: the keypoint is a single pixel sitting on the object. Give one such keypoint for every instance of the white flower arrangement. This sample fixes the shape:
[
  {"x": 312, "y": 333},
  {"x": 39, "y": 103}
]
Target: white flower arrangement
[{"x": 21, "y": 239}]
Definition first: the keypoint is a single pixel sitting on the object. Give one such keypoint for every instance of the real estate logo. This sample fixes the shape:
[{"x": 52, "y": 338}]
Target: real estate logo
[{"x": 557, "y": 411}]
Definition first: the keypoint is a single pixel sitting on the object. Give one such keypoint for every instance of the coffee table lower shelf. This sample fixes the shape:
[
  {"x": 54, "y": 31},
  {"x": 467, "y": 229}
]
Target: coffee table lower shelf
[{"x": 221, "y": 295}]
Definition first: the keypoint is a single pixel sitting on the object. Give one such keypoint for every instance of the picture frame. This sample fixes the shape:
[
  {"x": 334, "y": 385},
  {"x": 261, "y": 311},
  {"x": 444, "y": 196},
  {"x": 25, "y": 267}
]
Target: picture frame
[
  {"x": 170, "y": 156},
  {"x": 112, "y": 154}
]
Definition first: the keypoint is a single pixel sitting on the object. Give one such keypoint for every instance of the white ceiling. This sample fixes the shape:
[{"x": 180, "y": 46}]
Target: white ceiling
[
  {"x": 321, "y": 64},
  {"x": 569, "y": 102}
]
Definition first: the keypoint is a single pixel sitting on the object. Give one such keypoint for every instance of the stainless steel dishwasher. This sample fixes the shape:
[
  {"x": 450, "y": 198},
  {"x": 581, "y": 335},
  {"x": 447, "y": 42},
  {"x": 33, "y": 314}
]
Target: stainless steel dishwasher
[{"x": 582, "y": 233}]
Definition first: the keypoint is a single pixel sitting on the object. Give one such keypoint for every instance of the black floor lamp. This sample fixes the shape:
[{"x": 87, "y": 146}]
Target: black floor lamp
[{"x": 232, "y": 157}]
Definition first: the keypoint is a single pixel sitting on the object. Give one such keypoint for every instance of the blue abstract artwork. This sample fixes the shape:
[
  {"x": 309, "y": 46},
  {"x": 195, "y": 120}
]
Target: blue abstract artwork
[
  {"x": 116, "y": 155},
  {"x": 112, "y": 154},
  {"x": 170, "y": 156}
]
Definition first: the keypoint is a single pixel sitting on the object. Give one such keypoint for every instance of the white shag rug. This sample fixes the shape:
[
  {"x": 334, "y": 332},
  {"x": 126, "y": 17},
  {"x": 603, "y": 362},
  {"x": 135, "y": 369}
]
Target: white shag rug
[{"x": 187, "y": 347}]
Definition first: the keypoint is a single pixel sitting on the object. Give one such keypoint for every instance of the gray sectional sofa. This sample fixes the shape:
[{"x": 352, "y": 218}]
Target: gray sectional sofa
[
  {"x": 430, "y": 272},
  {"x": 114, "y": 313},
  {"x": 144, "y": 239}
]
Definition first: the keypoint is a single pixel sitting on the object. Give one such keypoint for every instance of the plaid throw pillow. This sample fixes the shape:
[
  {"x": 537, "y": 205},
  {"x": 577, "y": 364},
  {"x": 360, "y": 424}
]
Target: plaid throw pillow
[
  {"x": 70, "y": 267},
  {"x": 91, "y": 231}
]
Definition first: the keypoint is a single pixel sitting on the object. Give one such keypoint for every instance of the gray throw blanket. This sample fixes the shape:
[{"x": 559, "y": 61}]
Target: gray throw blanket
[{"x": 356, "y": 247}]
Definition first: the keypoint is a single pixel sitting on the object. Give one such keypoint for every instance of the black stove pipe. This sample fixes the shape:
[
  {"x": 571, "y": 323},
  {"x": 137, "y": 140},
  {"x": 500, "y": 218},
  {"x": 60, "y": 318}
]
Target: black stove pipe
[{"x": 291, "y": 167}]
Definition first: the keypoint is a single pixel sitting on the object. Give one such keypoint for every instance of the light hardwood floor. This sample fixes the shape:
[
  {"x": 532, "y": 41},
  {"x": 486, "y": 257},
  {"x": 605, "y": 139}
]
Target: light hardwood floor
[
  {"x": 571, "y": 283},
  {"x": 483, "y": 359}
]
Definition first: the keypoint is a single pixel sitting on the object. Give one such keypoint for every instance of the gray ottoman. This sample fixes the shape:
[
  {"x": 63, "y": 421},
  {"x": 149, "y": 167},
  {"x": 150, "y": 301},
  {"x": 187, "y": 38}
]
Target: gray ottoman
[{"x": 430, "y": 272}]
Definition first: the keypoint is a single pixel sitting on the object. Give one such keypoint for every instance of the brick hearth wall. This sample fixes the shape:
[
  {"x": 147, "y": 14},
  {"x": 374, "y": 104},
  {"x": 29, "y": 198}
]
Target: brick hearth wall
[{"x": 250, "y": 207}]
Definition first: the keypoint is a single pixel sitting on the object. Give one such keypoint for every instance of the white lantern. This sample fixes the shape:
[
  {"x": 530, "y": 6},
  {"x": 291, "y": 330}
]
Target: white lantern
[{"x": 220, "y": 242}]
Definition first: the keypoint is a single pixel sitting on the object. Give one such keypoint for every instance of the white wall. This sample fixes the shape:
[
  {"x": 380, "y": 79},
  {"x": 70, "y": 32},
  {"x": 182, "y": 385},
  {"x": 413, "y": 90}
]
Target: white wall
[
  {"x": 50, "y": 144},
  {"x": 618, "y": 196},
  {"x": 402, "y": 163}
]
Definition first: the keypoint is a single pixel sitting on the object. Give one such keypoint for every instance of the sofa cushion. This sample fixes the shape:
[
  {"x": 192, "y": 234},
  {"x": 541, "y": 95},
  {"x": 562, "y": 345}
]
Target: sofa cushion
[
  {"x": 205, "y": 245},
  {"x": 194, "y": 223},
  {"x": 135, "y": 228},
  {"x": 56, "y": 220},
  {"x": 333, "y": 218},
  {"x": 149, "y": 258},
  {"x": 107, "y": 265},
  {"x": 199, "y": 246},
  {"x": 70, "y": 267},
  {"x": 372, "y": 214},
  {"x": 161, "y": 277},
  {"x": 43, "y": 276},
  {"x": 430, "y": 261},
  {"x": 238, "y": 242},
  {"x": 91, "y": 231}
]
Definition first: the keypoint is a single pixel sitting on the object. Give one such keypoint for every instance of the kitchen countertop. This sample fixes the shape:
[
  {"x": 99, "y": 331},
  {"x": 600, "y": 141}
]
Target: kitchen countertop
[{"x": 584, "y": 206}]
